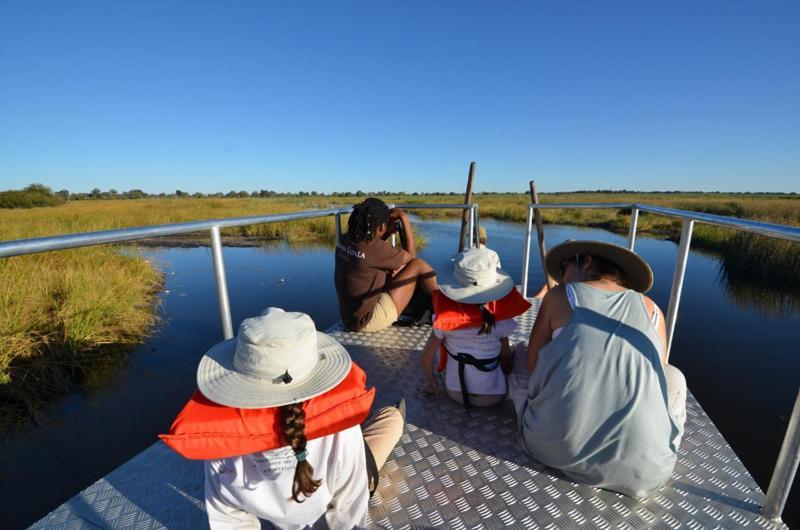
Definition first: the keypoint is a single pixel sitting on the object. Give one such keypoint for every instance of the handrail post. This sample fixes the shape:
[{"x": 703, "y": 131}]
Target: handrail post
[
  {"x": 526, "y": 253},
  {"x": 222, "y": 284},
  {"x": 472, "y": 231},
  {"x": 338, "y": 234},
  {"x": 468, "y": 243},
  {"x": 677, "y": 280},
  {"x": 477, "y": 225},
  {"x": 632, "y": 231},
  {"x": 785, "y": 468}
]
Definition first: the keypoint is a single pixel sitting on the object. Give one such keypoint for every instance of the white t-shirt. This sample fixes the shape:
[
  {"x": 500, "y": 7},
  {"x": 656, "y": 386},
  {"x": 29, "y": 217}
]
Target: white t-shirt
[
  {"x": 481, "y": 346},
  {"x": 241, "y": 489}
]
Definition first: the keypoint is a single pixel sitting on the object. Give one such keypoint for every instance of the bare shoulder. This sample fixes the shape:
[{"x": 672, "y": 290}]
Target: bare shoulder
[
  {"x": 649, "y": 304},
  {"x": 555, "y": 295},
  {"x": 556, "y": 302}
]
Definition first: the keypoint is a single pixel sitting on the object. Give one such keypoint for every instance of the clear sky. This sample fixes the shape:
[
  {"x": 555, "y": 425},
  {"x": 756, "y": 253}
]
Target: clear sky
[{"x": 333, "y": 96}]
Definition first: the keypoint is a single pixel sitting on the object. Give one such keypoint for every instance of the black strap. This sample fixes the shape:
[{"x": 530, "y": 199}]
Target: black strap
[
  {"x": 484, "y": 365},
  {"x": 373, "y": 475}
]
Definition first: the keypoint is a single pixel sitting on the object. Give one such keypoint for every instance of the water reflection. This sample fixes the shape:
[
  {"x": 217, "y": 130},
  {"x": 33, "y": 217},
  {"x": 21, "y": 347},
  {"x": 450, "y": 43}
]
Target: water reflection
[{"x": 769, "y": 300}]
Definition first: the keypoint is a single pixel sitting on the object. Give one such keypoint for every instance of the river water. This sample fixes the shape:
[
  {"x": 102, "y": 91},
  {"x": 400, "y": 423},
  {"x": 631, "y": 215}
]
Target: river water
[{"x": 736, "y": 344}]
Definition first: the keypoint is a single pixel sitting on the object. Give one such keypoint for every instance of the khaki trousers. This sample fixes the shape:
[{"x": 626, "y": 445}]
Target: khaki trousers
[
  {"x": 383, "y": 316},
  {"x": 383, "y": 433}
]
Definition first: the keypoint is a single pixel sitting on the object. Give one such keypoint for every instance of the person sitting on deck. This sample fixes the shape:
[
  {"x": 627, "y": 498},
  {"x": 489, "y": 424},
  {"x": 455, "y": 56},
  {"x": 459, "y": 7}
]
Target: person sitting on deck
[
  {"x": 374, "y": 280},
  {"x": 276, "y": 419},
  {"x": 594, "y": 396},
  {"x": 474, "y": 312}
]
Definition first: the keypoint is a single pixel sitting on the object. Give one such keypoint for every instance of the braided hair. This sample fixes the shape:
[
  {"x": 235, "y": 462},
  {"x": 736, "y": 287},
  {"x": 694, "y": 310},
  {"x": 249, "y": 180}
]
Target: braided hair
[
  {"x": 293, "y": 422},
  {"x": 365, "y": 219},
  {"x": 488, "y": 320}
]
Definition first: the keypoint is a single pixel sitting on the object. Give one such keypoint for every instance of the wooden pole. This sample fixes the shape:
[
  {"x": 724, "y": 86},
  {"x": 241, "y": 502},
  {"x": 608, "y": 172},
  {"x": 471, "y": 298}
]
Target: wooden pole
[
  {"x": 537, "y": 216},
  {"x": 467, "y": 200}
]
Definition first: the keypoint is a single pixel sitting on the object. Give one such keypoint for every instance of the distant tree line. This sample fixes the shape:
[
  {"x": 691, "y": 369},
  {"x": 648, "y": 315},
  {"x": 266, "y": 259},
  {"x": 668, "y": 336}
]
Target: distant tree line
[
  {"x": 36, "y": 195},
  {"x": 33, "y": 196},
  {"x": 40, "y": 195}
]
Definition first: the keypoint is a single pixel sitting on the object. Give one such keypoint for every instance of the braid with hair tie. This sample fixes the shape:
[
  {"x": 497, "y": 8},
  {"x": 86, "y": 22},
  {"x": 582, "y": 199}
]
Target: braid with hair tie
[
  {"x": 488, "y": 321},
  {"x": 293, "y": 421}
]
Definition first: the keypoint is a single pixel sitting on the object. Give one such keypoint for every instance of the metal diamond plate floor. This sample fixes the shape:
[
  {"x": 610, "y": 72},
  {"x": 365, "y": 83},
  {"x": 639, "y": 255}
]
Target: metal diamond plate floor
[{"x": 451, "y": 469}]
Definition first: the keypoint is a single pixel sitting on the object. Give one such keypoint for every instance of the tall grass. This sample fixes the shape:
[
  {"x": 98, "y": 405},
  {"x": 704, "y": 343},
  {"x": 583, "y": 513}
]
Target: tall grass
[
  {"x": 64, "y": 319},
  {"x": 67, "y": 317}
]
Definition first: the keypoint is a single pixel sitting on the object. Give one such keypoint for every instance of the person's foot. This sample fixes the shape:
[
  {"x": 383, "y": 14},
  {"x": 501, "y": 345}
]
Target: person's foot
[{"x": 401, "y": 408}]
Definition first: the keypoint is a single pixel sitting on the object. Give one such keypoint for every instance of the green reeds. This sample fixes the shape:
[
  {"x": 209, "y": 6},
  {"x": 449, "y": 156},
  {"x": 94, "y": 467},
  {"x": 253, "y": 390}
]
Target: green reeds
[{"x": 66, "y": 319}]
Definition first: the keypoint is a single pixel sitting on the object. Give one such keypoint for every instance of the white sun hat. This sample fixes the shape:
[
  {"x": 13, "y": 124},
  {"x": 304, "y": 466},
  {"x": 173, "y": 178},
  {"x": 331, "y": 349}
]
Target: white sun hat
[
  {"x": 474, "y": 277},
  {"x": 277, "y": 358}
]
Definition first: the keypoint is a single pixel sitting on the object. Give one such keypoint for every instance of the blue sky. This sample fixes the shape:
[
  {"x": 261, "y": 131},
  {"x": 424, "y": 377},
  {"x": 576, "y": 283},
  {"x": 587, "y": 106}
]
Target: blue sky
[{"x": 325, "y": 96}]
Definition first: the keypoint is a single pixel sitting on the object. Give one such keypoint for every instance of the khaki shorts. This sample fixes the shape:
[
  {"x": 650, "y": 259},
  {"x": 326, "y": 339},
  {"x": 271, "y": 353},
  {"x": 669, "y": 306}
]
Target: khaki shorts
[{"x": 384, "y": 314}]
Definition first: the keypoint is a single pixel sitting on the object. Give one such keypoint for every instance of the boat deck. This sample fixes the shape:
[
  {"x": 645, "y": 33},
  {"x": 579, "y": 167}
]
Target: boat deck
[{"x": 452, "y": 468}]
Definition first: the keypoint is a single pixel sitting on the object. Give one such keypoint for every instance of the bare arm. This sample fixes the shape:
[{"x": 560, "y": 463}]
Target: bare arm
[
  {"x": 661, "y": 326},
  {"x": 542, "y": 331},
  {"x": 426, "y": 363},
  {"x": 662, "y": 334},
  {"x": 408, "y": 245}
]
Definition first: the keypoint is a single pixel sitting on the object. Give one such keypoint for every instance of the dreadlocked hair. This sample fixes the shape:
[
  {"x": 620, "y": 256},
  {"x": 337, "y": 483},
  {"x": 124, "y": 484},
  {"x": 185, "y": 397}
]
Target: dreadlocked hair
[
  {"x": 293, "y": 422},
  {"x": 365, "y": 219},
  {"x": 488, "y": 321}
]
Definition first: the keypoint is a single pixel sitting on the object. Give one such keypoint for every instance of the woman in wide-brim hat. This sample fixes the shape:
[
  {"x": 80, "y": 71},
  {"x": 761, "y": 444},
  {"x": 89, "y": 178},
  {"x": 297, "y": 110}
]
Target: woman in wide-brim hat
[
  {"x": 593, "y": 393},
  {"x": 474, "y": 312},
  {"x": 277, "y": 420}
]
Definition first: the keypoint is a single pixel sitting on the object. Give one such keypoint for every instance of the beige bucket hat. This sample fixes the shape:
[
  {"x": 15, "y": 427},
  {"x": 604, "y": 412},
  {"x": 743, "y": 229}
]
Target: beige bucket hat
[
  {"x": 636, "y": 270},
  {"x": 474, "y": 276},
  {"x": 276, "y": 359}
]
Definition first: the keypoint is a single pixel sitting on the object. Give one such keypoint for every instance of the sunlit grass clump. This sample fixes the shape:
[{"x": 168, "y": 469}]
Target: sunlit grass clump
[{"x": 65, "y": 318}]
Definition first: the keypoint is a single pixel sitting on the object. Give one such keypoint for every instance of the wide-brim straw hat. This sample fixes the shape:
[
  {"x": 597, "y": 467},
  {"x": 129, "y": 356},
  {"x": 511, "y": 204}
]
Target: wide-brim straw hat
[
  {"x": 276, "y": 359},
  {"x": 474, "y": 277},
  {"x": 637, "y": 272}
]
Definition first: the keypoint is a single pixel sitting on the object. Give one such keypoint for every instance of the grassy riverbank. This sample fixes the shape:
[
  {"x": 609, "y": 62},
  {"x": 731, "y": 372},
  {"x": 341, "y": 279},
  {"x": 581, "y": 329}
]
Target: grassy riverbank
[
  {"x": 65, "y": 316},
  {"x": 68, "y": 317},
  {"x": 756, "y": 257}
]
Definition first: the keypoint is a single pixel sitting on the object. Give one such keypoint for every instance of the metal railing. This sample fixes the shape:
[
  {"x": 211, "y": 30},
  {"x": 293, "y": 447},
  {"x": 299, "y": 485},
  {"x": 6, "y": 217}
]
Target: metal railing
[
  {"x": 213, "y": 226},
  {"x": 789, "y": 456}
]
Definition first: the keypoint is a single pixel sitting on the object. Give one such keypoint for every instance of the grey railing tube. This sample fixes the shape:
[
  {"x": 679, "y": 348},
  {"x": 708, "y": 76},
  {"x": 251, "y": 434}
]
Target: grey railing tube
[
  {"x": 471, "y": 236},
  {"x": 338, "y": 233},
  {"x": 677, "y": 280},
  {"x": 477, "y": 225},
  {"x": 526, "y": 254},
  {"x": 87, "y": 239},
  {"x": 792, "y": 233},
  {"x": 632, "y": 230},
  {"x": 222, "y": 284},
  {"x": 785, "y": 467}
]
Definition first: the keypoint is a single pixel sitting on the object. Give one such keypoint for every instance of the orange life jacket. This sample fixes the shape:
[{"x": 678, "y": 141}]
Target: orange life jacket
[
  {"x": 205, "y": 430},
  {"x": 452, "y": 315}
]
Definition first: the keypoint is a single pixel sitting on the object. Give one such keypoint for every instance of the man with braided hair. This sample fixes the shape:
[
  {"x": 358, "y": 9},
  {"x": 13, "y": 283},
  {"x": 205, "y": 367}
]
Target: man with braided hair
[{"x": 374, "y": 280}]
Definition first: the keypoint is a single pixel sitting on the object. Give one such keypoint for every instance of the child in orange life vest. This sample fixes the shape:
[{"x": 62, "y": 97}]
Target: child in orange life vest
[
  {"x": 276, "y": 419},
  {"x": 474, "y": 310}
]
